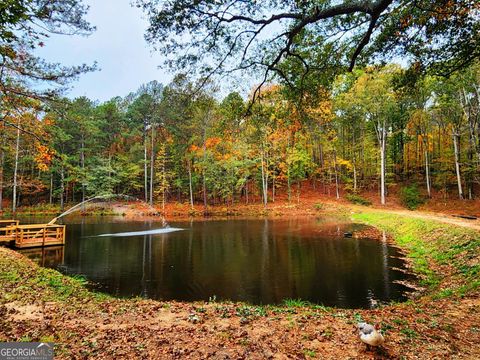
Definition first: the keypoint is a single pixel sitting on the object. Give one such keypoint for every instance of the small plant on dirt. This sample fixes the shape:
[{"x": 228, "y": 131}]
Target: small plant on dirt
[
  {"x": 357, "y": 199},
  {"x": 410, "y": 333},
  {"x": 246, "y": 311},
  {"x": 358, "y": 317},
  {"x": 318, "y": 206},
  {"x": 309, "y": 353},
  {"x": 201, "y": 310},
  {"x": 82, "y": 280},
  {"x": 411, "y": 197},
  {"x": 295, "y": 303}
]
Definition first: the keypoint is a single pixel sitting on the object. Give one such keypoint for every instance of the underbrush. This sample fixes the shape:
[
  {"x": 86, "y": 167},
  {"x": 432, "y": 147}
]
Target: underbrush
[
  {"x": 357, "y": 199},
  {"x": 410, "y": 197}
]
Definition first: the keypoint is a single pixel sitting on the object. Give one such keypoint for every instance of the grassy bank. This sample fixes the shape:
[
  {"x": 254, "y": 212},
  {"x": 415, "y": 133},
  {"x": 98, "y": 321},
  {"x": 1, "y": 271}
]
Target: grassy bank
[
  {"x": 446, "y": 257},
  {"x": 38, "y": 304}
]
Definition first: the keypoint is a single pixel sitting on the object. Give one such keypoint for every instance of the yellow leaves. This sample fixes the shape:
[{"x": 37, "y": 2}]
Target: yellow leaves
[
  {"x": 345, "y": 163},
  {"x": 43, "y": 157}
]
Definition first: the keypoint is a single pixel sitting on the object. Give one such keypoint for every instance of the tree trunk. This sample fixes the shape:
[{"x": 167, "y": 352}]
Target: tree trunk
[
  {"x": 62, "y": 188},
  {"x": 336, "y": 174},
  {"x": 264, "y": 177},
  {"x": 354, "y": 178},
  {"x": 82, "y": 160},
  {"x": 50, "y": 199},
  {"x": 145, "y": 169},
  {"x": 382, "y": 140},
  {"x": 457, "y": 164},
  {"x": 190, "y": 183},
  {"x": 427, "y": 173},
  {"x": 289, "y": 186},
  {"x": 204, "y": 185},
  {"x": 164, "y": 178},
  {"x": 273, "y": 188},
  {"x": 152, "y": 161},
  {"x": 382, "y": 172},
  {"x": 15, "y": 172}
]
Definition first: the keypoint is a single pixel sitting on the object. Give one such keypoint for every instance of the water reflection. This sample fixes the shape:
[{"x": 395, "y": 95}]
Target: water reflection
[
  {"x": 47, "y": 256},
  {"x": 258, "y": 261}
]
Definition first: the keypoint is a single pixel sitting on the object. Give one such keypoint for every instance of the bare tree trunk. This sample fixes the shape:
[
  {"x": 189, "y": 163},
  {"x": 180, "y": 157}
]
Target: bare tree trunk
[
  {"x": 190, "y": 183},
  {"x": 427, "y": 174},
  {"x": 264, "y": 188},
  {"x": 204, "y": 164},
  {"x": 273, "y": 188},
  {"x": 15, "y": 172},
  {"x": 321, "y": 155},
  {"x": 50, "y": 199},
  {"x": 336, "y": 174},
  {"x": 354, "y": 178},
  {"x": 382, "y": 140},
  {"x": 145, "y": 169},
  {"x": 457, "y": 164},
  {"x": 382, "y": 171},
  {"x": 62, "y": 188},
  {"x": 152, "y": 161},
  {"x": 82, "y": 160},
  {"x": 164, "y": 180}
]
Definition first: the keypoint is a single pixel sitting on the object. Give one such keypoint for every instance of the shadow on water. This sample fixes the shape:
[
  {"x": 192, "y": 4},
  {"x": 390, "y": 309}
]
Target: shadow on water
[{"x": 257, "y": 261}]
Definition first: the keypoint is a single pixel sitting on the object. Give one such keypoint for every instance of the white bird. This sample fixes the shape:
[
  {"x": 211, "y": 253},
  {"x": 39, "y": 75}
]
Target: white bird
[{"x": 370, "y": 334}]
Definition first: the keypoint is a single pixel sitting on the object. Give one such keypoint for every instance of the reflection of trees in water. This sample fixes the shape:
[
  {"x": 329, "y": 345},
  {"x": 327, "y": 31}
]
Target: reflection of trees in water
[{"x": 251, "y": 260}]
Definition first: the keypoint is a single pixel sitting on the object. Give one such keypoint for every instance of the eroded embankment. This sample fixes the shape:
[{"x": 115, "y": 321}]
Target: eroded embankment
[{"x": 38, "y": 304}]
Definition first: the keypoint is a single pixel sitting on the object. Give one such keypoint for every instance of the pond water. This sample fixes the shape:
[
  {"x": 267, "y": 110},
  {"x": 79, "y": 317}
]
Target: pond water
[{"x": 258, "y": 261}]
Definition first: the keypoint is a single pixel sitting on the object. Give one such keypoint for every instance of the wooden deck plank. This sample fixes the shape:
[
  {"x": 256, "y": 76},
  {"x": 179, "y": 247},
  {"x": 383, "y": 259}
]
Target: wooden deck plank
[{"x": 32, "y": 235}]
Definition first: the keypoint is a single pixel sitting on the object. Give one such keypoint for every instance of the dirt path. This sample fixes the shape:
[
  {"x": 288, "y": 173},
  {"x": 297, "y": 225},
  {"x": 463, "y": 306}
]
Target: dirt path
[{"x": 445, "y": 218}]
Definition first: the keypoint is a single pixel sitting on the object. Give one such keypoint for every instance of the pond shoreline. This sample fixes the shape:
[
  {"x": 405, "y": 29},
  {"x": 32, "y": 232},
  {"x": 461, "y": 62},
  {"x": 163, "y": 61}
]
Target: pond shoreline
[{"x": 42, "y": 305}]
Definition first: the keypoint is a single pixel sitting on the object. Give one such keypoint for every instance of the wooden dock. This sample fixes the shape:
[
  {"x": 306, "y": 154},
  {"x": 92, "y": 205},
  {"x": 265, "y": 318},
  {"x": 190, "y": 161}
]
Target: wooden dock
[
  {"x": 6, "y": 236},
  {"x": 28, "y": 236}
]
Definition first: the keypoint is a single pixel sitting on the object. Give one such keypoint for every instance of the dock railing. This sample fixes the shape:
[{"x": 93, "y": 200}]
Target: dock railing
[
  {"x": 39, "y": 235},
  {"x": 36, "y": 235},
  {"x": 6, "y": 233}
]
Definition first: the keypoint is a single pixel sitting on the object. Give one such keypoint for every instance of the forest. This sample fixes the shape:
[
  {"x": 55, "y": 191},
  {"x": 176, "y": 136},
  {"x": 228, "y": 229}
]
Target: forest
[
  {"x": 296, "y": 179},
  {"x": 365, "y": 131}
]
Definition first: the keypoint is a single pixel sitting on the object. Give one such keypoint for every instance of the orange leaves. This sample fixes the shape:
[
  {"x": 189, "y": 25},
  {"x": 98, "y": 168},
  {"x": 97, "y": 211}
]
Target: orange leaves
[
  {"x": 212, "y": 142},
  {"x": 43, "y": 157},
  {"x": 194, "y": 148}
]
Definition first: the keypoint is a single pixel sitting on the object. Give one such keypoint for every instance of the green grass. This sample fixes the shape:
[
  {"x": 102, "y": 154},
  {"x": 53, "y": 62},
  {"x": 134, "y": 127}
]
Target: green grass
[
  {"x": 309, "y": 353},
  {"x": 293, "y": 303},
  {"x": 431, "y": 244},
  {"x": 21, "y": 281}
]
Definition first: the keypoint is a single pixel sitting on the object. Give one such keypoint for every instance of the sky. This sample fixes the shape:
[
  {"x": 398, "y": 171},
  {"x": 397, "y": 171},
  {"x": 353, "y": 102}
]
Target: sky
[{"x": 125, "y": 59}]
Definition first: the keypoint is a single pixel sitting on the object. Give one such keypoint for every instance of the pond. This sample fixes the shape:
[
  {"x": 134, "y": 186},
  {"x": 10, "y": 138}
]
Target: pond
[{"x": 260, "y": 261}]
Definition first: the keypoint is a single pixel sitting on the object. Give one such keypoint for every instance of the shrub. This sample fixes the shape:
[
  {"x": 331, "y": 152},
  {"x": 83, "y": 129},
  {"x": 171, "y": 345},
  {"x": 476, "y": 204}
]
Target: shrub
[
  {"x": 410, "y": 197},
  {"x": 357, "y": 199}
]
